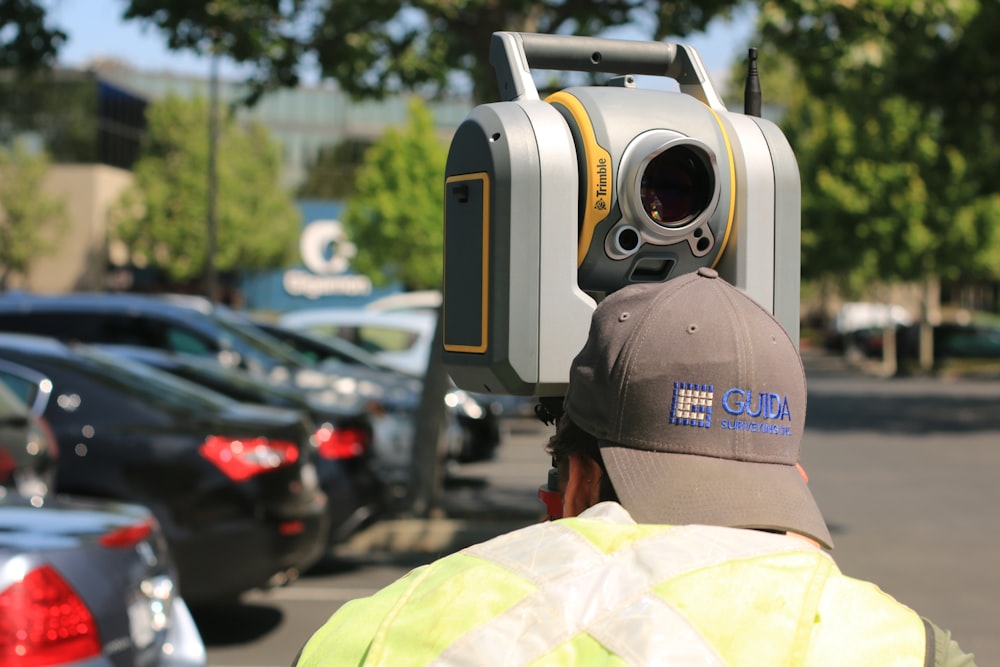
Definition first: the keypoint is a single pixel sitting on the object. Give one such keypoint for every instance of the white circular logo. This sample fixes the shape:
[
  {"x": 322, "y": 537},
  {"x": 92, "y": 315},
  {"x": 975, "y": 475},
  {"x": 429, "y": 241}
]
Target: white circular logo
[{"x": 325, "y": 248}]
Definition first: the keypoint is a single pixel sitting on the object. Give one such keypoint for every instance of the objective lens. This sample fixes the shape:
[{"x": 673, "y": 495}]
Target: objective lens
[{"x": 676, "y": 186}]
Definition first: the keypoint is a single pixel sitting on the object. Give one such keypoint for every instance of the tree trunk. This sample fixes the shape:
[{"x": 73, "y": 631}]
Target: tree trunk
[
  {"x": 889, "y": 355},
  {"x": 930, "y": 317}
]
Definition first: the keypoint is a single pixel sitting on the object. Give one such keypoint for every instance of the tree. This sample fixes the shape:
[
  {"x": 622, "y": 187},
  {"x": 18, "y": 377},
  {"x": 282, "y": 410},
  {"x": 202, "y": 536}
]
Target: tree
[
  {"x": 374, "y": 48},
  {"x": 27, "y": 42},
  {"x": 331, "y": 175},
  {"x": 895, "y": 184},
  {"x": 28, "y": 217},
  {"x": 394, "y": 217},
  {"x": 162, "y": 218}
]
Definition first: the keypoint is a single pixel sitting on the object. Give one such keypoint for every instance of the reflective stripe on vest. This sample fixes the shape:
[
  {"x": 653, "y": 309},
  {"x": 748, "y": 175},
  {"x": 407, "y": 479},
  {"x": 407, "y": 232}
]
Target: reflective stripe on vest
[
  {"x": 600, "y": 589},
  {"x": 602, "y": 594}
]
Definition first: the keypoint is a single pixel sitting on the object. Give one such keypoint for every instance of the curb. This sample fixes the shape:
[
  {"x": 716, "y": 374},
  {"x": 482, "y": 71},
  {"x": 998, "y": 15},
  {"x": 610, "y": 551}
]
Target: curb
[{"x": 429, "y": 537}]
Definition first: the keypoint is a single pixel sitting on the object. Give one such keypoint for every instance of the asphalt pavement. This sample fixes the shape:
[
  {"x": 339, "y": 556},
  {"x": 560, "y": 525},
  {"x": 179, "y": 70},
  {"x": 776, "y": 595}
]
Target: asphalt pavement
[
  {"x": 904, "y": 469},
  {"x": 476, "y": 503}
]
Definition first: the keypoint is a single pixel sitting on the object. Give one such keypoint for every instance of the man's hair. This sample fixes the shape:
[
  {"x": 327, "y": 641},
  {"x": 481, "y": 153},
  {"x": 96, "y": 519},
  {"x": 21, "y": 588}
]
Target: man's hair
[{"x": 571, "y": 439}]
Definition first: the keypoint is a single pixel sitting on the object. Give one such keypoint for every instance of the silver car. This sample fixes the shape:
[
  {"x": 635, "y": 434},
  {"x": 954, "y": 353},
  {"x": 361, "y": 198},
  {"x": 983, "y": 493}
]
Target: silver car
[{"x": 89, "y": 584}]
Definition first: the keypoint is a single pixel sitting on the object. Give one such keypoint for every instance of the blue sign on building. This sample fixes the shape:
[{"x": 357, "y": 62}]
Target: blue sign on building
[{"x": 324, "y": 279}]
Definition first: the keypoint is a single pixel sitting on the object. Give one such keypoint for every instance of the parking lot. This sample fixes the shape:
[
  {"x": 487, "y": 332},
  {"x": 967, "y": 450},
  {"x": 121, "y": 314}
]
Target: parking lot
[{"x": 905, "y": 471}]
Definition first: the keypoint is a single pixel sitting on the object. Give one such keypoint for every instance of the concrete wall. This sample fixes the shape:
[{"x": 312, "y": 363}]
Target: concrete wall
[{"x": 77, "y": 260}]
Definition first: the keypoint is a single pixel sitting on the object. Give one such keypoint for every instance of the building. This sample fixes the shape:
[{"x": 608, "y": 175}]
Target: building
[
  {"x": 92, "y": 122},
  {"x": 92, "y": 129},
  {"x": 302, "y": 120}
]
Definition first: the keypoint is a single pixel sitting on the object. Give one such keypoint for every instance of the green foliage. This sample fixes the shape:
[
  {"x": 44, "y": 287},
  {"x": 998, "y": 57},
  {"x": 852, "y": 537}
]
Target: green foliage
[
  {"x": 27, "y": 41},
  {"x": 163, "y": 218},
  {"x": 895, "y": 184},
  {"x": 29, "y": 219},
  {"x": 396, "y": 217},
  {"x": 382, "y": 46},
  {"x": 331, "y": 176}
]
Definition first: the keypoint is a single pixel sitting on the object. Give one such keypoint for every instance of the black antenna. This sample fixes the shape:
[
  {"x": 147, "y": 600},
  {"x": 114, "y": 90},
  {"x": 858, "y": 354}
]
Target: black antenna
[{"x": 751, "y": 92}]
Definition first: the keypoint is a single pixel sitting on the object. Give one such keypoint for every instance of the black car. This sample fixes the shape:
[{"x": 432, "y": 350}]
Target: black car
[
  {"x": 192, "y": 325},
  {"x": 234, "y": 486},
  {"x": 479, "y": 434},
  {"x": 28, "y": 450},
  {"x": 342, "y": 435},
  {"x": 86, "y": 582}
]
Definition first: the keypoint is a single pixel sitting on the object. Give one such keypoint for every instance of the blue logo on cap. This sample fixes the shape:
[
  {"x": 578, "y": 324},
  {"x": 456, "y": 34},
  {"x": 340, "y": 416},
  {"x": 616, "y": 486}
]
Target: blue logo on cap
[
  {"x": 756, "y": 412},
  {"x": 692, "y": 404}
]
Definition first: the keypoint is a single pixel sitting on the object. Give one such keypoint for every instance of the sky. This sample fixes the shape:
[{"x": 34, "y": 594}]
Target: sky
[{"x": 95, "y": 31}]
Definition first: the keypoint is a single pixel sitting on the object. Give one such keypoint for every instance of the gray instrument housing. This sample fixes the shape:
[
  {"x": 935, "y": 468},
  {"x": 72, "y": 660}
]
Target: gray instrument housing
[{"x": 530, "y": 249}]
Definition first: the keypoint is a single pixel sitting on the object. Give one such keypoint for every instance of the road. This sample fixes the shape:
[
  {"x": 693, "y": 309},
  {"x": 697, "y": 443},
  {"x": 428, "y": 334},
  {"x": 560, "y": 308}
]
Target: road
[{"x": 907, "y": 472}]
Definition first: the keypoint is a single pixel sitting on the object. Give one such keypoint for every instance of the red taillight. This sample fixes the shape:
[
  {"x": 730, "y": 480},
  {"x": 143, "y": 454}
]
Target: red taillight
[
  {"x": 126, "y": 536},
  {"x": 44, "y": 622},
  {"x": 49, "y": 436},
  {"x": 242, "y": 458},
  {"x": 341, "y": 443},
  {"x": 7, "y": 466}
]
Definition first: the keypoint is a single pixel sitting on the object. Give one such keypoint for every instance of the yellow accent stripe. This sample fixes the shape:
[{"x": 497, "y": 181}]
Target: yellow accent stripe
[
  {"x": 596, "y": 157},
  {"x": 732, "y": 189},
  {"x": 484, "y": 279}
]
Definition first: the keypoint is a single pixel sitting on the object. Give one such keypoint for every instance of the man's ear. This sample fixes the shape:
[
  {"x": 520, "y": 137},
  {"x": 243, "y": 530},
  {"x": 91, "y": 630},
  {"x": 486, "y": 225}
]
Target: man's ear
[{"x": 583, "y": 487}]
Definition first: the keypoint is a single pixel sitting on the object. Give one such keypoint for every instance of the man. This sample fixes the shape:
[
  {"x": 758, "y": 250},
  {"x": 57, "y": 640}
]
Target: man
[{"x": 689, "y": 535}]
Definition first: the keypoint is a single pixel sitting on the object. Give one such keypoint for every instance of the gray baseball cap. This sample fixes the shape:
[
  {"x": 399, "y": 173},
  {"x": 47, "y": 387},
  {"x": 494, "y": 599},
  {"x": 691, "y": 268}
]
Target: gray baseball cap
[{"x": 697, "y": 397}]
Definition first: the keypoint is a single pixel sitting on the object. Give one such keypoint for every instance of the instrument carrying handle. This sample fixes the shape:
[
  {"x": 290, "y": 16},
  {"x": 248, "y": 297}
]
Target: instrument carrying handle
[{"x": 513, "y": 54}]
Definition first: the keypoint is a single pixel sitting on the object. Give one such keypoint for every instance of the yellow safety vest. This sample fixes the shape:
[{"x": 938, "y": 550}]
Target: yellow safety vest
[{"x": 600, "y": 589}]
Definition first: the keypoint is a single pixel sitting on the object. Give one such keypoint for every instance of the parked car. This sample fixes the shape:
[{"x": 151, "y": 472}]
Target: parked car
[
  {"x": 478, "y": 434},
  {"x": 234, "y": 486},
  {"x": 427, "y": 300},
  {"x": 858, "y": 324},
  {"x": 92, "y": 583},
  {"x": 399, "y": 339},
  {"x": 954, "y": 340},
  {"x": 396, "y": 332},
  {"x": 342, "y": 436},
  {"x": 28, "y": 450},
  {"x": 194, "y": 326}
]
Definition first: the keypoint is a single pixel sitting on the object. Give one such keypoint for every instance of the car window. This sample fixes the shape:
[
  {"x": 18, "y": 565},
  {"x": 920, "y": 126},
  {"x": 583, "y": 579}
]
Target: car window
[
  {"x": 375, "y": 338},
  {"x": 332, "y": 331},
  {"x": 56, "y": 325},
  {"x": 22, "y": 388},
  {"x": 179, "y": 340},
  {"x": 253, "y": 342},
  {"x": 10, "y": 404}
]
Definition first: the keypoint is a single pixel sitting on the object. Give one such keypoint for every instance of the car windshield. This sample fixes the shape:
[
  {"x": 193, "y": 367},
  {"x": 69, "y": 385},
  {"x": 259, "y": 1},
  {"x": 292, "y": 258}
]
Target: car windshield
[
  {"x": 149, "y": 383},
  {"x": 331, "y": 351},
  {"x": 259, "y": 343}
]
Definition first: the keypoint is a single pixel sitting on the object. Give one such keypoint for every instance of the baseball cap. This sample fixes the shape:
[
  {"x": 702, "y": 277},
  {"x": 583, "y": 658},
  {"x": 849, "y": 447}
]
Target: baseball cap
[{"x": 697, "y": 397}]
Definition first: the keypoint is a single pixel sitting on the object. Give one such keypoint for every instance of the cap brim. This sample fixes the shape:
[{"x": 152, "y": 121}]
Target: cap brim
[{"x": 676, "y": 489}]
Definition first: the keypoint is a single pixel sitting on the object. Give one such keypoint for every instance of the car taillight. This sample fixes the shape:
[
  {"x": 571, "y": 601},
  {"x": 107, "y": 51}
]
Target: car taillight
[
  {"x": 47, "y": 437},
  {"x": 341, "y": 443},
  {"x": 7, "y": 466},
  {"x": 44, "y": 622},
  {"x": 126, "y": 536},
  {"x": 242, "y": 458}
]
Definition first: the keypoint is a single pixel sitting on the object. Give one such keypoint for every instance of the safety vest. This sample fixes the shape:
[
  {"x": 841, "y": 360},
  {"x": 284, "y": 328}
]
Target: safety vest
[{"x": 600, "y": 589}]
